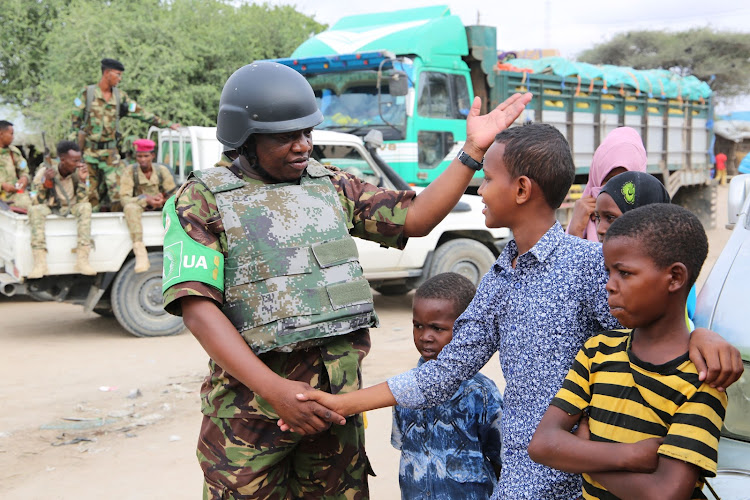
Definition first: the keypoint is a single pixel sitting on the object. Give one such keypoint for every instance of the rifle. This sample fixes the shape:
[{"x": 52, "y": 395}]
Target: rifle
[{"x": 46, "y": 157}]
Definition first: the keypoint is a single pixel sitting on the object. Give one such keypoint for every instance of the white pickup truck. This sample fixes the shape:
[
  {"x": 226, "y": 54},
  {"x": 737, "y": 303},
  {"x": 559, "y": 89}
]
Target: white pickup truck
[{"x": 460, "y": 243}]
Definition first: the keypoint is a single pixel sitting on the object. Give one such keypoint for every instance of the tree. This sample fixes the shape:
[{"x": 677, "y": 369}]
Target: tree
[
  {"x": 177, "y": 54},
  {"x": 702, "y": 52}
]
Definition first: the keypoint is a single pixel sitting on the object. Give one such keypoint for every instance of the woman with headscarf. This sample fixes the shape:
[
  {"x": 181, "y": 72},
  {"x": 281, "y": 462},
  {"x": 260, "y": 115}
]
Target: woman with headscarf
[{"x": 621, "y": 151}]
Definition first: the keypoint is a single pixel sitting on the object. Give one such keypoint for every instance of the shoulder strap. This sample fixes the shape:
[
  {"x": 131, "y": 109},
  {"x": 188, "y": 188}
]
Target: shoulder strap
[
  {"x": 135, "y": 179},
  {"x": 117, "y": 114},
  {"x": 89, "y": 100},
  {"x": 217, "y": 179}
]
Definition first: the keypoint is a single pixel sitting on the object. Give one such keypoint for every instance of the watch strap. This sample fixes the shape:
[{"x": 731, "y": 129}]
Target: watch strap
[{"x": 470, "y": 162}]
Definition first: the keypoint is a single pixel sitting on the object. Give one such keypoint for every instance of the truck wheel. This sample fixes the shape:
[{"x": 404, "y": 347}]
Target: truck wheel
[
  {"x": 463, "y": 256},
  {"x": 393, "y": 290},
  {"x": 137, "y": 301}
]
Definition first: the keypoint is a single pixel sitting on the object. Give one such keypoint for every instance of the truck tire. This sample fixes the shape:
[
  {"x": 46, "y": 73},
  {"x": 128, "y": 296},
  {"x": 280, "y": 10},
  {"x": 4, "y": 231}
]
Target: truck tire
[
  {"x": 466, "y": 257},
  {"x": 137, "y": 301},
  {"x": 393, "y": 290}
]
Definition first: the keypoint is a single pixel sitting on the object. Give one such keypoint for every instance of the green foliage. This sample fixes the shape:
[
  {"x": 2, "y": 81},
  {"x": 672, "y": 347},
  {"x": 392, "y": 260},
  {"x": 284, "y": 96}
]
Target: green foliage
[
  {"x": 177, "y": 54},
  {"x": 700, "y": 52}
]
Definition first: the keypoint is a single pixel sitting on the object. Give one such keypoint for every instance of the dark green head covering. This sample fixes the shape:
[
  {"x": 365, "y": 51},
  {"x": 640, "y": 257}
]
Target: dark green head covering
[{"x": 635, "y": 189}]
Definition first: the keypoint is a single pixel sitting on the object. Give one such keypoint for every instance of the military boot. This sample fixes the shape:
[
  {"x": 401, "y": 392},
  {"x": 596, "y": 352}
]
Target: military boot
[
  {"x": 142, "y": 263},
  {"x": 82, "y": 261},
  {"x": 40, "y": 264}
]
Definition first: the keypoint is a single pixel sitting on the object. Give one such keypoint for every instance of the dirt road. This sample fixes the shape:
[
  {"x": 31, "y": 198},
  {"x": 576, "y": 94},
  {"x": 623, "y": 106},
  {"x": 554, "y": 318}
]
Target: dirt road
[{"x": 91, "y": 412}]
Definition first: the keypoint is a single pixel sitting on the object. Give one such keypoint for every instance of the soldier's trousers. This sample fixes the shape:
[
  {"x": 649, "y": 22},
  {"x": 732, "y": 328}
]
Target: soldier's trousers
[
  {"x": 38, "y": 213},
  {"x": 20, "y": 200},
  {"x": 252, "y": 459},
  {"x": 133, "y": 213},
  {"x": 104, "y": 168}
]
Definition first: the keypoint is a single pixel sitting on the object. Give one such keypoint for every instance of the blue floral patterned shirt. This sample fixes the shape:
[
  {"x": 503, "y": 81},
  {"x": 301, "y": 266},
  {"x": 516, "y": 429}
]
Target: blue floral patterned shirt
[
  {"x": 537, "y": 316},
  {"x": 447, "y": 450}
]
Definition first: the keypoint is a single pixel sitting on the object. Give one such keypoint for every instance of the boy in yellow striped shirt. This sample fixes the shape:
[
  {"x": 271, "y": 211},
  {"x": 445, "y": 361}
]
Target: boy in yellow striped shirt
[{"x": 650, "y": 428}]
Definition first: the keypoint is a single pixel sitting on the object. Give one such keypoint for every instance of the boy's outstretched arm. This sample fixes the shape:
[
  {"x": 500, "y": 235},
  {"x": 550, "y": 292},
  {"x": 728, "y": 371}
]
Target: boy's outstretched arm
[
  {"x": 226, "y": 347},
  {"x": 555, "y": 446},
  {"x": 672, "y": 480},
  {"x": 719, "y": 363},
  {"x": 439, "y": 198},
  {"x": 351, "y": 403}
]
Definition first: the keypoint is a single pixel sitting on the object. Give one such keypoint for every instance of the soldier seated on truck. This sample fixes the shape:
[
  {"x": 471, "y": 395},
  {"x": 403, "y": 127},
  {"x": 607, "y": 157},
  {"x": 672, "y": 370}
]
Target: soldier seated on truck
[
  {"x": 144, "y": 185},
  {"x": 14, "y": 172},
  {"x": 61, "y": 188}
]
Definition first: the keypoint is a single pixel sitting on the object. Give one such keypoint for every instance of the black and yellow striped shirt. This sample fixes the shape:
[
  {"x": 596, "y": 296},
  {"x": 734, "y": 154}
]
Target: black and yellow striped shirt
[{"x": 629, "y": 400}]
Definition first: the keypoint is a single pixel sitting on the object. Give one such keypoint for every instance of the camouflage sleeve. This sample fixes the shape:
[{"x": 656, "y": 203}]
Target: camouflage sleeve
[
  {"x": 82, "y": 189},
  {"x": 196, "y": 209},
  {"x": 373, "y": 213},
  {"x": 127, "y": 188},
  {"x": 168, "y": 185},
  {"x": 22, "y": 166},
  {"x": 38, "y": 186},
  {"x": 134, "y": 110},
  {"x": 79, "y": 110}
]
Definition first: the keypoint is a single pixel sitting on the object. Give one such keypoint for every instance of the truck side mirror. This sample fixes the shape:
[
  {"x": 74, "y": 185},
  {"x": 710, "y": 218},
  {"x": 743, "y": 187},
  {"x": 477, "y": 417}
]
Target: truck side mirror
[{"x": 398, "y": 84}]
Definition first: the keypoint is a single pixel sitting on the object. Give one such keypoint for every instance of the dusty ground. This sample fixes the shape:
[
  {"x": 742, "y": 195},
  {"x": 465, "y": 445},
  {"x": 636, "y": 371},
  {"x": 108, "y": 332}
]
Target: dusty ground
[{"x": 88, "y": 411}]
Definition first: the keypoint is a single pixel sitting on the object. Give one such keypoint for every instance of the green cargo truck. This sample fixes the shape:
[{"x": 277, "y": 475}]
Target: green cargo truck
[{"x": 413, "y": 74}]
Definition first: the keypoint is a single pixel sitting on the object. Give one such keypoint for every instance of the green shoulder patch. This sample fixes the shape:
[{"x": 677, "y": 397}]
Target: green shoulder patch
[{"x": 184, "y": 258}]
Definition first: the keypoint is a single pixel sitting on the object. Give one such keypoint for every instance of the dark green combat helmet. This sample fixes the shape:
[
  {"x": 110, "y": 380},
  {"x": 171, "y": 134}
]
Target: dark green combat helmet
[{"x": 264, "y": 98}]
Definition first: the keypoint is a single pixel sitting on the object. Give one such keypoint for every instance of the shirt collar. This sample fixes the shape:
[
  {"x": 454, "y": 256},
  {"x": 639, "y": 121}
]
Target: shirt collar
[{"x": 541, "y": 250}]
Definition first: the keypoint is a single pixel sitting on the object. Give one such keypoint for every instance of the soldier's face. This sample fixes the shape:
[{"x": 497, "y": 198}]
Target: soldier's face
[
  {"x": 283, "y": 157},
  {"x": 70, "y": 161},
  {"x": 6, "y": 137},
  {"x": 144, "y": 159},
  {"x": 113, "y": 77}
]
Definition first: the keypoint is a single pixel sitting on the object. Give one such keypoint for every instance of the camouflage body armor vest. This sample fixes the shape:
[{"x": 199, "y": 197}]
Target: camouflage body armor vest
[{"x": 292, "y": 273}]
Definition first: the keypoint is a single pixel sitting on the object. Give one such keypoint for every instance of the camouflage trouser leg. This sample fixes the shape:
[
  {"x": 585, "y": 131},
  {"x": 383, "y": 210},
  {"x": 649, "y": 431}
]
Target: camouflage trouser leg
[
  {"x": 82, "y": 212},
  {"x": 133, "y": 213},
  {"x": 253, "y": 459},
  {"x": 104, "y": 168},
  {"x": 37, "y": 214},
  {"x": 20, "y": 200}
]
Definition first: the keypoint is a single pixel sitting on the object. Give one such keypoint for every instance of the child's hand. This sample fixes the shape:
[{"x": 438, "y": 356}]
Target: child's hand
[
  {"x": 583, "y": 431},
  {"x": 643, "y": 456},
  {"x": 300, "y": 415},
  {"x": 718, "y": 362},
  {"x": 482, "y": 129}
]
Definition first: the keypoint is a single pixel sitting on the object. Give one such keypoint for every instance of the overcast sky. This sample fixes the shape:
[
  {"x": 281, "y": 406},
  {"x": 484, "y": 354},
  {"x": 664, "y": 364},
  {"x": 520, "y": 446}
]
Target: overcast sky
[{"x": 570, "y": 26}]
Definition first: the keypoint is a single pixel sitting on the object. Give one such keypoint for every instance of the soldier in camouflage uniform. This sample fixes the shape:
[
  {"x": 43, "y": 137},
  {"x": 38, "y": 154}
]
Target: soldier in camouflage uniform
[
  {"x": 61, "y": 189},
  {"x": 96, "y": 125},
  {"x": 143, "y": 186},
  {"x": 260, "y": 263},
  {"x": 14, "y": 171}
]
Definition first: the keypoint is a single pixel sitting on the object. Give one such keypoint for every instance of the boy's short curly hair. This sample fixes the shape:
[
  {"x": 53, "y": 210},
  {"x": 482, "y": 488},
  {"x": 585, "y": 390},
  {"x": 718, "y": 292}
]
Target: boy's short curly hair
[
  {"x": 667, "y": 234},
  {"x": 448, "y": 286},
  {"x": 540, "y": 152}
]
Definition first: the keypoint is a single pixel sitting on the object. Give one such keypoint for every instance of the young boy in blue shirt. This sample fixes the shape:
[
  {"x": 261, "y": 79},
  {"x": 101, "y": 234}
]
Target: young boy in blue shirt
[
  {"x": 537, "y": 305},
  {"x": 451, "y": 450},
  {"x": 653, "y": 427}
]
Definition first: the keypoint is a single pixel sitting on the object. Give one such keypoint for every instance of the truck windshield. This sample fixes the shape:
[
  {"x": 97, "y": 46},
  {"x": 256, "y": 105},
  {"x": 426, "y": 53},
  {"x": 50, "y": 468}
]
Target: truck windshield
[{"x": 349, "y": 103}]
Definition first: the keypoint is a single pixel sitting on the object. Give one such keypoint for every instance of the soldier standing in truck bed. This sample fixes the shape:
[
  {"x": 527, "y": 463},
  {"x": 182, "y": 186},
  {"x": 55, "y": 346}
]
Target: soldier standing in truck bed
[{"x": 96, "y": 124}]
